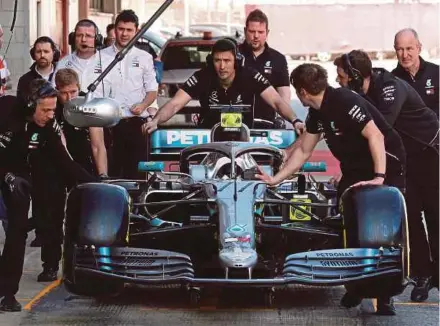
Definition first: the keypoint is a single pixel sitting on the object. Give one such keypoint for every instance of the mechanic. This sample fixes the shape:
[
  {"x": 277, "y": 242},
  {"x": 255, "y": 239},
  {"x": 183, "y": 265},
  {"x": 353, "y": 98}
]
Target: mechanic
[
  {"x": 266, "y": 60},
  {"x": 45, "y": 55},
  {"x": 25, "y": 131},
  {"x": 109, "y": 40},
  {"x": 418, "y": 126},
  {"x": 369, "y": 150},
  {"x": 86, "y": 145},
  {"x": 420, "y": 74},
  {"x": 224, "y": 81},
  {"x": 87, "y": 60},
  {"x": 137, "y": 85}
]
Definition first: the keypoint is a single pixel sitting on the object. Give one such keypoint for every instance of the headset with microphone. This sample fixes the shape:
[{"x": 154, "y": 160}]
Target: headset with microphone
[
  {"x": 99, "y": 39},
  {"x": 356, "y": 81}
]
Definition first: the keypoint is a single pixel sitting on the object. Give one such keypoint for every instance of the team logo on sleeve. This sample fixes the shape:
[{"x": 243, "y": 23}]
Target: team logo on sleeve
[
  {"x": 356, "y": 113},
  {"x": 388, "y": 93},
  {"x": 260, "y": 78},
  {"x": 56, "y": 127},
  {"x": 192, "y": 81},
  {"x": 5, "y": 139}
]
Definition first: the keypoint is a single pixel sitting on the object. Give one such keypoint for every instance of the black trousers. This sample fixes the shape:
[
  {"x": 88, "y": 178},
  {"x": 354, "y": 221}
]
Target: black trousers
[
  {"x": 12, "y": 259},
  {"x": 129, "y": 148},
  {"x": 49, "y": 197},
  {"x": 423, "y": 195}
]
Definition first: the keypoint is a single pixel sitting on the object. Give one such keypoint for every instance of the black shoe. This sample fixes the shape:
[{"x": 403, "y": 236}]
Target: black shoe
[
  {"x": 36, "y": 242},
  {"x": 48, "y": 275},
  {"x": 420, "y": 291},
  {"x": 9, "y": 303},
  {"x": 385, "y": 307},
  {"x": 350, "y": 301}
]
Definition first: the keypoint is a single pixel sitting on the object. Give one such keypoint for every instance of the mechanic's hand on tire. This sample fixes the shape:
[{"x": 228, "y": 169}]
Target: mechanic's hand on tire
[
  {"x": 373, "y": 182},
  {"x": 149, "y": 127}
]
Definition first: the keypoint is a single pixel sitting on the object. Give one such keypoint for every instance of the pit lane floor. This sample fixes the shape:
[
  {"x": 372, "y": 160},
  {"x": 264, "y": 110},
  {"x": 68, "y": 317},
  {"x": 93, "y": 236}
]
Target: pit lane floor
[{"x": 51, "y": 304}]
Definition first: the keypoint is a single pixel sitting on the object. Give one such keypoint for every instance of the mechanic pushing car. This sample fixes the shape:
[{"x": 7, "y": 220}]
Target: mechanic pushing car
[
  {"x": 224, "y": 82},
  {"x": 24, "y": 132},
  {"x": 418, "y": 126},
  {"x": 369, "y": 150},
  {"x": 266, "y": 60}
]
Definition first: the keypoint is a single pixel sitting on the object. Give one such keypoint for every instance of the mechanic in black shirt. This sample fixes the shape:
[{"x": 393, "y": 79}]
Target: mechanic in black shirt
[
  {"x": 266, "y": 60},
  {"x": 420, "y": 74},
  {"x": 224, "y": 81},
  {"x": 85, "y": 145},
  {"x": 418, "y": 126},
  {"x": 369, "y": 150},
  {"x": 23, "y": 132}
]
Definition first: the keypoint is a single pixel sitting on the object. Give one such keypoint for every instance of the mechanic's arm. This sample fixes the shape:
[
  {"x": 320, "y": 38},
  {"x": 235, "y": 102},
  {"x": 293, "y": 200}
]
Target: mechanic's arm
[
  {"x": 298, "y": 157},
  {"x": 285, "y": 93},
  {"x": 376, "y": 144},
  {"x": 168, "y": 110},
  {"x": 150, "y": 85},
  {"x": 282, "y": 107},
  {"x": 390, "y": 101},
  {"x": 99, "y": 151}
]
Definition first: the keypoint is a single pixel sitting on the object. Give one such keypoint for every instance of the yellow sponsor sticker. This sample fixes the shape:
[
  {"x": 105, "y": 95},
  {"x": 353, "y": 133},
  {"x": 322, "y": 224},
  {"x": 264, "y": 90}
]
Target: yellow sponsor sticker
[
  {"x": 296, "y": 214},
  {"x": 231, "y": 120}
]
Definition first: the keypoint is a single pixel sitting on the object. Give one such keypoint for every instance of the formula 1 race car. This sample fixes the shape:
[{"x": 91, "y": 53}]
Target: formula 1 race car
[{"x": 214, "y": 224}]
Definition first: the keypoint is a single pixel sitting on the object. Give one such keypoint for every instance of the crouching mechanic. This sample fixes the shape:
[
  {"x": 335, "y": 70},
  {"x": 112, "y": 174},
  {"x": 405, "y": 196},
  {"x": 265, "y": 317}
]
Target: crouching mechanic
[
  {"x": 369, "y": 150},
  {"x": 224, "y": 81},
  {"x": 24, "y": 131},
  {"x": 418, "y": 126}
]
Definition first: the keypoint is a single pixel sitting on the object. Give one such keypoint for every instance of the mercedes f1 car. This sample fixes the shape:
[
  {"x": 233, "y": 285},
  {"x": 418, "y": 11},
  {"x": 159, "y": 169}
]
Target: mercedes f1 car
[{"x": 214, "y": 223}]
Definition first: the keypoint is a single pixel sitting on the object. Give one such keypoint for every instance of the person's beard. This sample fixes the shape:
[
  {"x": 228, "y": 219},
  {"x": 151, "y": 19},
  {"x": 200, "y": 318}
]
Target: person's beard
[{"x": 42, "y": 64}]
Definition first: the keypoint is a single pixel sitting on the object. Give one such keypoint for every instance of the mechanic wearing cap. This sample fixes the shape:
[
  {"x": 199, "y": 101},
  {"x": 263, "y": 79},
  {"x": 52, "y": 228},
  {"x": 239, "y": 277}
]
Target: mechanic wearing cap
[
  {"x": 418, "y": 126},
  {"x": 369, "y": 150},
  {"x": 266, "y": 60},
  {"x": 420, "y": 74},
  {"x": 23, "y": 132},
  {"x": 136, "y": 93},
  {"x": 223, "y": 82}
]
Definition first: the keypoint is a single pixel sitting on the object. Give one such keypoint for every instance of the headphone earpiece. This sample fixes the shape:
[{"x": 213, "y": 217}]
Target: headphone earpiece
[
  {"x": 239, "y": 58},
  {"x": 99, "y": 39},
  {"x": 46, "y": 39},
  {"x": 356, "y": 81}
]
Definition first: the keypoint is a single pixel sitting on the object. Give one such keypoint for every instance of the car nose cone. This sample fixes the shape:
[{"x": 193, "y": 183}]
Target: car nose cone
[{"x": 238, "y": 257}]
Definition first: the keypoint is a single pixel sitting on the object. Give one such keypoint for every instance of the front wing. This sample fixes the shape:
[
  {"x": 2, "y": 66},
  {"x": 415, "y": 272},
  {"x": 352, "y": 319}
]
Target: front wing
[{"x": 322, "y": 267}]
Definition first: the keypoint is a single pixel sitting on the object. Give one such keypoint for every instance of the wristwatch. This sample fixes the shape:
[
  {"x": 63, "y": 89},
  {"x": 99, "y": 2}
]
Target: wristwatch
[
  {"x": 295, "y": 121},
  {"x": 379, "y": 175}
]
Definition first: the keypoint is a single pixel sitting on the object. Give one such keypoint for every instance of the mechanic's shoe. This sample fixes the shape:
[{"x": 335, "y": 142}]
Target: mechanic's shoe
[
  {"x": 420, "y": 291},
  {"x": 36, "y": 242},
  {"x": 385, "y": 307},
  {"x": 48, "y": 275},
  {"x": 9, "y": 303},
  {"x": 350, "y": 301}
]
